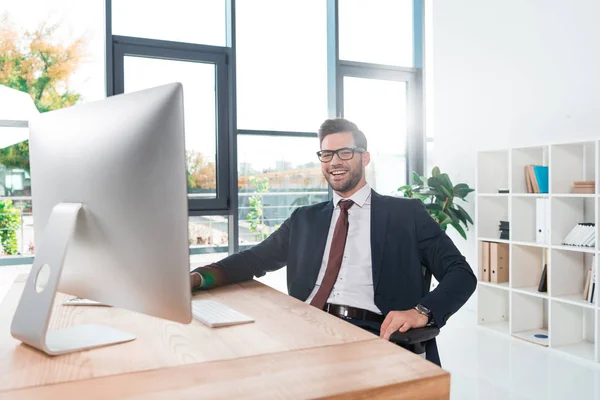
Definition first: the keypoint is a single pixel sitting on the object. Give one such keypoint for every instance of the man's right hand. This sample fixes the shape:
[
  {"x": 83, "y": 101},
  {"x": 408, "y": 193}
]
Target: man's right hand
[{"x": 195, "y": 280}]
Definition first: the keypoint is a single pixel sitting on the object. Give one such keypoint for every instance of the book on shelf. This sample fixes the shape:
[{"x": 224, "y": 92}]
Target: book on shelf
[
  {"x": 536, "y": 178},
  {"x": 584, "y": 187},
  {"x": 582, "y": 235},
  {"x": 589, "y": 288},
  {"x": 543, "y": 286}
]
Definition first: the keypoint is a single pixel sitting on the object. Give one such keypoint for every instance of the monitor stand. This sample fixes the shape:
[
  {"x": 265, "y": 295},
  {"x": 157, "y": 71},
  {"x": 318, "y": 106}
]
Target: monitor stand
[{"x": 31, "y": 319}]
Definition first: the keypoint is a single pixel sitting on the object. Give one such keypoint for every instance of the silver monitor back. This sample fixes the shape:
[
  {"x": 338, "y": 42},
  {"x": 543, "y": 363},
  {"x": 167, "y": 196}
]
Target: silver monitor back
[{"x": 123, "y": 158}]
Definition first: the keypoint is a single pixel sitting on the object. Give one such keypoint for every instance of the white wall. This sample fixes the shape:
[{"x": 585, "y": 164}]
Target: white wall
[{"x": 508, "y": 73}]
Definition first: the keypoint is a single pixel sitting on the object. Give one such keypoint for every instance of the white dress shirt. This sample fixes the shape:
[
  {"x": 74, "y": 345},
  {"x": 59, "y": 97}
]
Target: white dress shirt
[{"x": 354, "y": 284}]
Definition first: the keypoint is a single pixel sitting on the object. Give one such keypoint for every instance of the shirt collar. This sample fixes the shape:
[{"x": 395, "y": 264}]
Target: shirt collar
[{"x": 360, "y": 198}]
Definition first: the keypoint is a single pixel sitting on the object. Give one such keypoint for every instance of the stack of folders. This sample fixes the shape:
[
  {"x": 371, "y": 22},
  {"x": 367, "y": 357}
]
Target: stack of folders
[
  {"x": 536, "y": 178},
  {"x": 583, "y": 235},
  {"x": 589, "y": 290},
  {"x": 504, "y": 230},
  {"x": 585, "y": 187},
  {"x": 494, "y": 262}
]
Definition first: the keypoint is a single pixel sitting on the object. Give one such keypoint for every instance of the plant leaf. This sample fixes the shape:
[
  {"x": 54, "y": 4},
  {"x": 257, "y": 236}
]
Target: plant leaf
[
  {"x": 444, "y": 218},
  {"x": 447, "y": 183},
  {"x": 435, "y": 182},
  {"x": 417, "y": 179},
  {"x": 465, "y": 214},
  {"x": 460, "y": 215},
  {"x": 452, "y": 214},
  {"x": 446, "y": 192},
  {"x": 460, "y": 230},
  {"x": 462, "y": 190},
  {"x": 433, "y": 207},
  {"x": 435, "y": 171}
]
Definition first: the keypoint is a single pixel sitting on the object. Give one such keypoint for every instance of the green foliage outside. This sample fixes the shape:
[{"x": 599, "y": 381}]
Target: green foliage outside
[
  {"x": 256, "y": 213},
  {"x": 34, "y": 62},
  {"x": 10, "y": 221}
]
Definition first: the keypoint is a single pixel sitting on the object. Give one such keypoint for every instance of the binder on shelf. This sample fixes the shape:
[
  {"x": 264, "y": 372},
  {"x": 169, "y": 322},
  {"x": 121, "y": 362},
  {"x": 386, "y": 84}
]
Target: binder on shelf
[
  {"x": 584, "y": 187},
  {"x": 485, "y": 261},
  {"x": 498, "y": 262},
  {"x": 541, "y": 236}
]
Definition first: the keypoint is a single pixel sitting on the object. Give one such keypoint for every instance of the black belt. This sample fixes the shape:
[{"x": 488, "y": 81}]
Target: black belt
[{"x": 348, "y": 312}]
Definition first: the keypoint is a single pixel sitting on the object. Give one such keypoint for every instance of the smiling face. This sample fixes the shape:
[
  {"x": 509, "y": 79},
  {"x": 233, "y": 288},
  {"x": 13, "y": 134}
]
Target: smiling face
[{"x": 346, "y": 177}]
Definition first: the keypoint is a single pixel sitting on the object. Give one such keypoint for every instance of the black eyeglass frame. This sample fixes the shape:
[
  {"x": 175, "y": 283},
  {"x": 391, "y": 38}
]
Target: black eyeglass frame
[{"x": 337, "y": 152}]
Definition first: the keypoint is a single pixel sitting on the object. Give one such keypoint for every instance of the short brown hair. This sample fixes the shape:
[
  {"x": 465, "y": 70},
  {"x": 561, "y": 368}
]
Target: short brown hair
[{"x": 339, "y": 125}]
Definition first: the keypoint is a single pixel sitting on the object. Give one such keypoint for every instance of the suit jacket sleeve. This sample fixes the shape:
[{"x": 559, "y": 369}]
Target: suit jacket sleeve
[
  {"x": 269, "y": 255},
  {"x": 439, "y": 254}
]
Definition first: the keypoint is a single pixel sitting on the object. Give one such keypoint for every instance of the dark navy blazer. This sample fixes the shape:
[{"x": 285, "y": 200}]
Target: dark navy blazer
[{"x": 404, "y": 237}]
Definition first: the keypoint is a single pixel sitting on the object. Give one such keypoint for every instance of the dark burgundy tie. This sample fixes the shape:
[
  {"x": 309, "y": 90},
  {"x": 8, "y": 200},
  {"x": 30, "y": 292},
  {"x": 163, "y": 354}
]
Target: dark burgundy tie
[{"x": 336, "y": 254}]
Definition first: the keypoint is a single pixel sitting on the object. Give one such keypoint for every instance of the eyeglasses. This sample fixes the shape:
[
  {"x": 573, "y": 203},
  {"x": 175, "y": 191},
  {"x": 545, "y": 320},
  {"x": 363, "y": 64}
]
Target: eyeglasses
[{"x": 345, "y": 153}]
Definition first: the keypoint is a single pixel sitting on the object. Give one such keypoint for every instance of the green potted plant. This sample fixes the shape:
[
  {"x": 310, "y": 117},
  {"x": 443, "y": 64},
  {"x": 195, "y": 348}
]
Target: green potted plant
[{"x": 438, "y": 194}]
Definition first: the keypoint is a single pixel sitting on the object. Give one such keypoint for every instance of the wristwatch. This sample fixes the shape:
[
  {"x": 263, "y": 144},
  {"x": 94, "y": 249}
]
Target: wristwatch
[{"x": 421, "y": 309}]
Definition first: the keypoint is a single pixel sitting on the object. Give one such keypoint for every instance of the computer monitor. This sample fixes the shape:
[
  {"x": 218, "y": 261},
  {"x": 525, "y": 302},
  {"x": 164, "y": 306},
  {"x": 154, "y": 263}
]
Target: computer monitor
[{"x": 109, "y": 195}]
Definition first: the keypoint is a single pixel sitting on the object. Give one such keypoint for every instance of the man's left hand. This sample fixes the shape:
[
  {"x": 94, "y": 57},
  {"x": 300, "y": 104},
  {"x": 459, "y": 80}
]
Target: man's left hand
[{"x": 402, "y": 321}]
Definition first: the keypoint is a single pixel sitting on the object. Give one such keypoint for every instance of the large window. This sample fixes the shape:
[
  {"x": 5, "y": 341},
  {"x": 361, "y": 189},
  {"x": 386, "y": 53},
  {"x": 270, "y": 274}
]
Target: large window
[
  {"x": 187, "y": 21},
  {"x": 379, "y": 109},
  {"x": 281, "y": 64},
  {"x": 259, "y": 78},
  {"x": 272, "y": 183},
  {"x": 377, "y": 31},
  {"x": 198, "y": 80}
]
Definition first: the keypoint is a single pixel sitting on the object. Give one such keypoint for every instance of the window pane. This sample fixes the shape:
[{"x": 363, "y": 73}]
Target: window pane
[
  {"x": 377, "y": 31},
  {"x": 208, "y": 236},
  {"x": 379, "y": 109},
  {"x": 281, "y": 65},
  {"x": 198, "y": 82},
  {"x": 190, "y": 21},
  {"x": 273, "y": 184},
  {"x": 69, "y": 34}
]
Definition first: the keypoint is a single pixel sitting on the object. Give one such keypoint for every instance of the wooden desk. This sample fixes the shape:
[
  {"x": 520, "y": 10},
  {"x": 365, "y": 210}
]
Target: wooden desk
[{"x": 291, "y": 351}]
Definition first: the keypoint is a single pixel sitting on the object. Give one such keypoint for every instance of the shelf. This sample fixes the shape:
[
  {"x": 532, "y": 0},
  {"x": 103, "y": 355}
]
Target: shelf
[
  {"x": 503, "y": 286},
  {"x": 531, "y": 291},
  {"x": 576, "y": 161},
  {"x": 530, "y": 195},
  {"x": 502, "y": 327},
  {"x": 574, "y": 195},
  {"x": 490, "y": 211},
  {"x": 573, "y": 329},
  {"x": 492, "y": 171},
  {"x": 493, "y": 309},
  {"x": 582, "y": 349},
  {"x": 530, "y": 336},
  {"x": 575, "y": 248},
  {"x": 493, "y": 194},
  {"x": 529, "y": 315},
  {"x": 575, "y": 300},
  {"x": 484, "y": 239},
  {"x": 530, "y": 244}
]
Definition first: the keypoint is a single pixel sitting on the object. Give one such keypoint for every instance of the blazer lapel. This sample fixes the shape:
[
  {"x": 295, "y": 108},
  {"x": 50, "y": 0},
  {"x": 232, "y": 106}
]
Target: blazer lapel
[
  {"x": 319, "y": 241},
  {"x": 379, "y": 218}
]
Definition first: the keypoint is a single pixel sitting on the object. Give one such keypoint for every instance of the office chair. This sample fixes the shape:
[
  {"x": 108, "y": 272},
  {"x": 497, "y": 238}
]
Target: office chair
[{"x": 416, "y": 339}]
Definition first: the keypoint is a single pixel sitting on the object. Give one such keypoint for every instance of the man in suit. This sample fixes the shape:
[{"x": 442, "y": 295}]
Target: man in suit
[{"x": 359, "y": 256}]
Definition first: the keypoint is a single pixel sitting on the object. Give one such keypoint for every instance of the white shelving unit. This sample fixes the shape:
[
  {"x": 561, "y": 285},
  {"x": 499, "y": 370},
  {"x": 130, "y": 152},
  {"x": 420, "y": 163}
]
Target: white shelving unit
[{"x": 560, "y": 318}]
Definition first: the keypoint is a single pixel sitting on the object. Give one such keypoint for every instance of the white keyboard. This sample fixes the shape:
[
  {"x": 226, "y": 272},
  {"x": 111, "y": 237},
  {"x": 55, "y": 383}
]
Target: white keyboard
[{"x": 215, "y": 314}]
